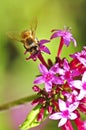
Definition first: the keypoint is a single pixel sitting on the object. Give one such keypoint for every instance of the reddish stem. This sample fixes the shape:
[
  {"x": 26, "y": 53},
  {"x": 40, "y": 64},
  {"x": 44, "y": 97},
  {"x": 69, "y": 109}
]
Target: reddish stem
[
  {"x": 67, "y": 126},
  {"x": 40, "y": 57},
  {"x": 60, "y": 47}
]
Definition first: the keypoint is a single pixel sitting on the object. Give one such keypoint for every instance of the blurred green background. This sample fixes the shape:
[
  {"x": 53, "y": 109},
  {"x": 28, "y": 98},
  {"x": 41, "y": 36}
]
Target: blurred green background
[{"x": 17, "y": 74}]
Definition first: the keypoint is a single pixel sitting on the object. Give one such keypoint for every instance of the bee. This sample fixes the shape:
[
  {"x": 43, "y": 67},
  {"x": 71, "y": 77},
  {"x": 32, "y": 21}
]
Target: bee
[{"x": 28, "y": 38}]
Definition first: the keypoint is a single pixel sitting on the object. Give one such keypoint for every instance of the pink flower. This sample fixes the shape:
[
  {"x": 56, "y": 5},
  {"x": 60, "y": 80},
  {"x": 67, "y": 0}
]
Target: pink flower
[
  {"x": 48, "y": 77},
  {"x": 66, "y": 38},
  {"x": 66, "y": 112},
  {"x": 68, "y": 74},
  {"x": 66, "y": 35},
  {"x": 81, "y": 85},
  {"x": 71, "y": 97},
  {"x": 80, "y": 56}
]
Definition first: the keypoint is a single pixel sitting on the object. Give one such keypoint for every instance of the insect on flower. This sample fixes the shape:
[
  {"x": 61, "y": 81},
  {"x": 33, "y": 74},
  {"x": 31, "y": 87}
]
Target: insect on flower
[
  {"x": 28, "y": 38},
  {"x": 30, "y": 42}
]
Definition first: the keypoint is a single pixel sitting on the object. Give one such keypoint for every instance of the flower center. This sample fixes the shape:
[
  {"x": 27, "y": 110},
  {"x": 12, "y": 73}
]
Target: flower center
[
  {"x": 65, "y": 33},
  {"x": 65, "y": 113},
  {"x": 48, "y": 77}
]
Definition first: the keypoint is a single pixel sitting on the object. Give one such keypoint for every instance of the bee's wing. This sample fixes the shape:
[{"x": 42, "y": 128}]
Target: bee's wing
[
  {"x": 14, "y": 36},
  {"x": 33, "y": 25}
]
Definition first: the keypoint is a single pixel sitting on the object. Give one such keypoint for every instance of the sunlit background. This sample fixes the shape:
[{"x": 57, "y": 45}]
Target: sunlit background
[{"x": 17, "y": 74}]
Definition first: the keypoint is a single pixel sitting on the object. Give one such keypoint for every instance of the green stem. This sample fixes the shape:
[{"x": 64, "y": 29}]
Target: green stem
[{"x": 18, "y": 102}]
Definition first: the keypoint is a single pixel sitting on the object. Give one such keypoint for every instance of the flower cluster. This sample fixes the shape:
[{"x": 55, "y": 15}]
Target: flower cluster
[{"x": 63, "y": 96}]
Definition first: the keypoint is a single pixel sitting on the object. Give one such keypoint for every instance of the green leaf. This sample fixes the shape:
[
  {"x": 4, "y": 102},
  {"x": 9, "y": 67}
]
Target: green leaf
[{"x": 31, "y": 120}]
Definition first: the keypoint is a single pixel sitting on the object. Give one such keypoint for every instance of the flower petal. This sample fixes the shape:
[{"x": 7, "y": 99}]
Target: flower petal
[
  {"x": 82, "y": 60},
  {"x": 56, "y": 116},
  {"x": 75, "y": 72},
  {"x": 73, "y": 106},
  {"x": 66, "y": 65},
  {"x": 54, "y": 68},
  {"x": 57, "y": 80},
  {"x": 43, "y": 69},
  {"x": 84, "y": 77},
  {"x": 54, "y": 35},
  {"x": 62, "y": 122},
  {"x": 77, "y": 84},
  {"x": 75, "y": 43},
  {"x": 72, "y": 116},
  {"x": 62, "y": 105},
  {"x": 39, "y": 80},
  {"x": 81, "y": 95},
  {"x": 66, "y": 41},
  {"x": 45, "y": 49},
  {"x": 44, "y": 41},
  {"x": 48, "y": 86}
]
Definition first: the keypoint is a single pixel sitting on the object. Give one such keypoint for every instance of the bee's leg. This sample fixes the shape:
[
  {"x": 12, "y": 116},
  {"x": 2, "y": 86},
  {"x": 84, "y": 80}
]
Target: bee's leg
[{"x": 25, "y": 52}]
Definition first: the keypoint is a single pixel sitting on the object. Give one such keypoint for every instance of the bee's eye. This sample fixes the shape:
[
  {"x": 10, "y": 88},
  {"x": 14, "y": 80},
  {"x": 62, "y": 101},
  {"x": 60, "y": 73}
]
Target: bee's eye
[{"x": 29, "y": 41}]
